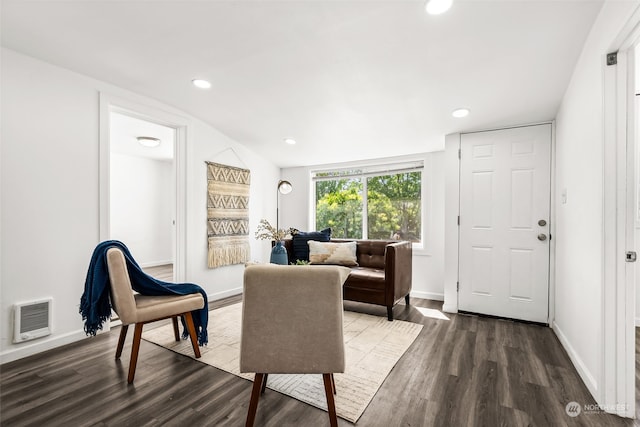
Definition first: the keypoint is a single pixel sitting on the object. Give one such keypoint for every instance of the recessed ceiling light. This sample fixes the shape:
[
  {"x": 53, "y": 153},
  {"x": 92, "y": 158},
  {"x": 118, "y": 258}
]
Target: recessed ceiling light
[
  {"x": 202, "y": 84},
  {"x": 436, "y": 7},
  {"x": 290, "y": 141},
  {"x": 148, "y": 141},
  {"x": 460, "y": 112}
]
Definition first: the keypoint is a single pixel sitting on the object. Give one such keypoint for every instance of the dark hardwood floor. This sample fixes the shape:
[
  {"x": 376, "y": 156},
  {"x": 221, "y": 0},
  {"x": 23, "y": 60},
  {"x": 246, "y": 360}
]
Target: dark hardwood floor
[{"x": 461, "y": 371}]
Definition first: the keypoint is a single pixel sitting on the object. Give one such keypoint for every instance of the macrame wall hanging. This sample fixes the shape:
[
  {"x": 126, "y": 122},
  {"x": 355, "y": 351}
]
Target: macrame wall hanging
[{"x": 227, "y": 214}]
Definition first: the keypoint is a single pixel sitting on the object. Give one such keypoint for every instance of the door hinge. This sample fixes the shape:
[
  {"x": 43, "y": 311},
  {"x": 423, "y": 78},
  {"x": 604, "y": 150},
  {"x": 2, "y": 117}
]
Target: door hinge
[
  {"x": 458, "y": 286},
  {"x": 631, "y": 256},
  {"x": 459, "y": 153},
  {"x": 612, "y": 58},
  {"x": 458, "y": 219}
]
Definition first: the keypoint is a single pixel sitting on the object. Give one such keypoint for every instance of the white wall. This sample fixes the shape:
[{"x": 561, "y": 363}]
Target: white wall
[
  {"x": 637, "y": 181},
  {"x": 579, "y": 221},
  {"x": 637, "y": 313},
  {"x": 50, "y": 194},
  {"x": 141, "y": 202},
  {"x": 637, "y": 177},
  {"x": 428, "y": 264}
]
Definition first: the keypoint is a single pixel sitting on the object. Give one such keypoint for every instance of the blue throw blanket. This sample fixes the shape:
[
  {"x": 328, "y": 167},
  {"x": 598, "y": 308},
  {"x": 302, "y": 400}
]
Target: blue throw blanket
[{"x": 95, "y": 304}]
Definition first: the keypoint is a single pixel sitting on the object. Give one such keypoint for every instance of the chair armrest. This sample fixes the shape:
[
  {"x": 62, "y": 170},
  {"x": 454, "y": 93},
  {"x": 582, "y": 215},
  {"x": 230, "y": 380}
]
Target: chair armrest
[{"x": 398, "y": 270}]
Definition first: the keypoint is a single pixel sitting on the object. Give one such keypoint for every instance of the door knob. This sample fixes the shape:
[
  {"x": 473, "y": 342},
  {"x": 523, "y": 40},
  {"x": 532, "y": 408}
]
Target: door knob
[
  {"x": 542, "y": 223},
  {"x": 542, "y": 237}
]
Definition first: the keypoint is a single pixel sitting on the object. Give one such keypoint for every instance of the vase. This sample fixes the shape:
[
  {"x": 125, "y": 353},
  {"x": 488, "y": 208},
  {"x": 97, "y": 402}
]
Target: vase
[{"x": 279, "y": 254}]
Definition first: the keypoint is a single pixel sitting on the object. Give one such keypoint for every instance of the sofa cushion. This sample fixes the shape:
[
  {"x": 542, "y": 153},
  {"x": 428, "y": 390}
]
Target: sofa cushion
[
  {"x": 371, "y": 253},
  {"x": 300, "y": 239},
  {"x": 367, "y": 278},
  {"x": 332, "y": 253}
]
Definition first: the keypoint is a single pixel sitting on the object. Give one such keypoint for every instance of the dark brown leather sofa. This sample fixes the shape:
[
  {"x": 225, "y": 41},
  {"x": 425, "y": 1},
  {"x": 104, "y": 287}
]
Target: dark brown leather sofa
[{"x": 383, "y": 274}]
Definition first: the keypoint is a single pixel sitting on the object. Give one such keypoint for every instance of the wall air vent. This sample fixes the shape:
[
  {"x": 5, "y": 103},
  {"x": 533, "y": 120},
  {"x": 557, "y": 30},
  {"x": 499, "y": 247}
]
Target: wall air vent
[{"x": 32, "y": 320}]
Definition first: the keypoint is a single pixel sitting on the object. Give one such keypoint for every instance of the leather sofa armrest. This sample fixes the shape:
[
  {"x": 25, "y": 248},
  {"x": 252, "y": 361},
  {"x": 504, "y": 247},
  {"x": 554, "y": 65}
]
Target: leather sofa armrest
[{"x": 398, "y": 270}]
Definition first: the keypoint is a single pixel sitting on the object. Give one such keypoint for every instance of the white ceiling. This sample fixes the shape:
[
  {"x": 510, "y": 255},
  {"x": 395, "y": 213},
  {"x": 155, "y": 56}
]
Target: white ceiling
[
  {"x": 124, "y": 131},
  {"x": 349, "y": 80}
]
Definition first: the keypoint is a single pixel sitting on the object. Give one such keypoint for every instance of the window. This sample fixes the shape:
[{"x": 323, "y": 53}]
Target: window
[{"x": 381, "y": 202}]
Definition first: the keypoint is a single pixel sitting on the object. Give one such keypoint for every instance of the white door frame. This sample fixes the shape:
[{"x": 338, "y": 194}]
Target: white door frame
[
  {"x": 108, "y": 104},
  {"x": 618, "y": 297},
  {"x": 452, "y": 211}
]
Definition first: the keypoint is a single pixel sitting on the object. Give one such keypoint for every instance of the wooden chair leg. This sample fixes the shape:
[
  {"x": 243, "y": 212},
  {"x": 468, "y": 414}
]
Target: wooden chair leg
[
  {"x": 333, "y": 384},
  {"x": 255, "y": 396},
  {"x": 192, "y": 333},
  {"x": 176, "y": 331},
  {"x": 123, "y": 335},
  {"x": 406, "y": 299},
  {"x": 135, "y": 348},
  {"x": 390, "y": 313},
  {"x": 331, "y": 404},
  {"x": 264, "y": 383}
]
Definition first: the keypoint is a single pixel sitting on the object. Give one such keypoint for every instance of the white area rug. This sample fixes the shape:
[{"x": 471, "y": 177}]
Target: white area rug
[{"x": 373, "y": 346}]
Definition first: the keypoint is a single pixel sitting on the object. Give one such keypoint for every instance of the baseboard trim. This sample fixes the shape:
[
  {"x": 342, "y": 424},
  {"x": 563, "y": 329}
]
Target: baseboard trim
[
  {"x": 585, "y": 375},
  {"x": 156, "y": 263},
  {"x": 449, "y": 308},
  {"x": 435, "y": 296},
  {"x": 224, "y": 294},
  {"x": 25, "y": 350}
]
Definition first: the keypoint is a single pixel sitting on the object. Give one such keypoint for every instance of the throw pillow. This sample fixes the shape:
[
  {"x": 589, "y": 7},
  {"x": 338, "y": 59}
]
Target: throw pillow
[
  {"x": 333, "y": 253},
  {"x": 300, "y": 239}
]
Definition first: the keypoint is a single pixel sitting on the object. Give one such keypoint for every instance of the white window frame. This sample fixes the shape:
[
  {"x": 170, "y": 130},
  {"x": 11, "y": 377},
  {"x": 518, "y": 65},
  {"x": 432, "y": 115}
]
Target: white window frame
[{"x": 377, "y": 169}]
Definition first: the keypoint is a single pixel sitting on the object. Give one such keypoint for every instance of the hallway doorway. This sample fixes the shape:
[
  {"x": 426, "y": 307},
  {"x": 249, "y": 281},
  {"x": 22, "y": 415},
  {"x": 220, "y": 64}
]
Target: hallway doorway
[{"x": 142, "y": 188}]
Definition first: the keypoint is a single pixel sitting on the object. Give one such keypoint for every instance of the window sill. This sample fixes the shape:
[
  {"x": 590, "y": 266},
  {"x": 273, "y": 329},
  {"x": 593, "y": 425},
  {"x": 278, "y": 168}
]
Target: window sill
[{"x": 419, "y": 250}]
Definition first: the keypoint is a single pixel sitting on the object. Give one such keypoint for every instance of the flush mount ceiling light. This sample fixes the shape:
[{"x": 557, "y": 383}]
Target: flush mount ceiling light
[
  {"x": 148, "y": 141},
  {"x": 460, "y": 112},
  {"x": 290, "y": 141},
  {"x": 202, "y": 84},
  {"x": 436, "y": 7}
]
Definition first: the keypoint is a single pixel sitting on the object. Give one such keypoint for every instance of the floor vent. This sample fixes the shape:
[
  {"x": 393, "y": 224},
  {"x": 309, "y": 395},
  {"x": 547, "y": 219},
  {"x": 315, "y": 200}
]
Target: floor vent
[{"x": 32, "y": 320}]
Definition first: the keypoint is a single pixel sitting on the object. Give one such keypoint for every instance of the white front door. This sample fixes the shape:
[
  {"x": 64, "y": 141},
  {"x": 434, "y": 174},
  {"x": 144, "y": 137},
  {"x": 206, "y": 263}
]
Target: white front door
[{"x": 504, "y": 222}]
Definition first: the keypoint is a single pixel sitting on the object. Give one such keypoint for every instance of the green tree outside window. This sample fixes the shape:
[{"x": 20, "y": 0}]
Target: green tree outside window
[{"x": 394, "y": 206}]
